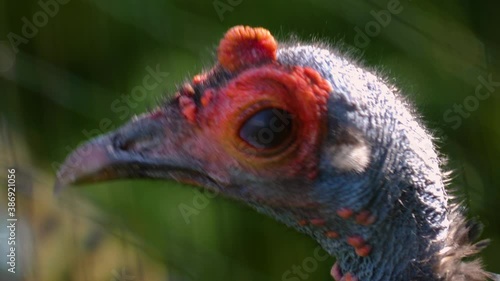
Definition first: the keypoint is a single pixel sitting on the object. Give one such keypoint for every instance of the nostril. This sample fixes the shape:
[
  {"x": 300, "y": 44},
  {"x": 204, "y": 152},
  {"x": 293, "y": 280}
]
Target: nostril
[
  {"x": 140, "y": 136},
  {"x": 140, "y": 144}
]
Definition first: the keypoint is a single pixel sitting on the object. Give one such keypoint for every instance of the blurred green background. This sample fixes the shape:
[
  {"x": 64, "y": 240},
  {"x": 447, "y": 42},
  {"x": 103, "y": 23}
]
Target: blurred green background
[{"x": 60, "y": 77}]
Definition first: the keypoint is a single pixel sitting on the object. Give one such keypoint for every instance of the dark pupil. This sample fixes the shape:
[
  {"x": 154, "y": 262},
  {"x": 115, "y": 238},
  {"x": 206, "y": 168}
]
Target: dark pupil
[{"x": 267, "y": 128}]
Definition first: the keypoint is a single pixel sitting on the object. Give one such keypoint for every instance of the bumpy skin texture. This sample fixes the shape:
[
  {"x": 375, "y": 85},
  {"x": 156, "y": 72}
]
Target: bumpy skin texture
[
  {"x": 360, "y": 173},
  {"x": 401, "y": 186}
]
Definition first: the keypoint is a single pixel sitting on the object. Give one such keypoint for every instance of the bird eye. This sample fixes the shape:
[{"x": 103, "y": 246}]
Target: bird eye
[{"x": 267, "y": 128}]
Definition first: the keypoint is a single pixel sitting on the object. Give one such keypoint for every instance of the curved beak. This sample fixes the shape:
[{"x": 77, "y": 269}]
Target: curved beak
[{"x": 146, "y": 147}]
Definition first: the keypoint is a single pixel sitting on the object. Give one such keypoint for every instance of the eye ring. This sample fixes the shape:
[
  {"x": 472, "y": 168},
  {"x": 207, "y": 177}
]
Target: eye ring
[{"x": 268, "y": 130}]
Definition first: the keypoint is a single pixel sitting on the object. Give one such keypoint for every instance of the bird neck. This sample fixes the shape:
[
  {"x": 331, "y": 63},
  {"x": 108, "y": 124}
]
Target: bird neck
[
  {"x": 395, "y": 227},
  {"x": 388, "y": 238},
  {"x": 401, "y": 244}
]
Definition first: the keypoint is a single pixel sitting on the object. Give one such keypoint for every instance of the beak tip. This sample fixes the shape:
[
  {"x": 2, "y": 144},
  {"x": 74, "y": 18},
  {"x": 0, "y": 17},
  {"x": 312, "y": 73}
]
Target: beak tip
[
  {"x": 103, "y": 159},
  {"x": 64, "y": 178},
  {"x": 58, "y": 187},
  {"x": 83, "y": 164}
]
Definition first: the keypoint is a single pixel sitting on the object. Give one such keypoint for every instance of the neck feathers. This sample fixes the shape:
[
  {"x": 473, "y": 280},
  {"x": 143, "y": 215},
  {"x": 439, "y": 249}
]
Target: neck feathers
[
  {"x": 461, "y": 244},
  {"x": 382, "y": 207}
]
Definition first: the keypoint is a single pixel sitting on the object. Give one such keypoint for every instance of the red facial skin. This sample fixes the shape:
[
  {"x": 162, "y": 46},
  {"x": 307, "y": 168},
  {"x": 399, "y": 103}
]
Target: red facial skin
[
  {"x": 268, "y": 86},
  {"x": 243, "y": 46},
  {"x": 300, "y": 91}
]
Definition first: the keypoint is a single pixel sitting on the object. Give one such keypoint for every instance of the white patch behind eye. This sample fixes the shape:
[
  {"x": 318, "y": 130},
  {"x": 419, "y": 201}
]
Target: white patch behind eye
[{"x": 350, "y": 157}]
